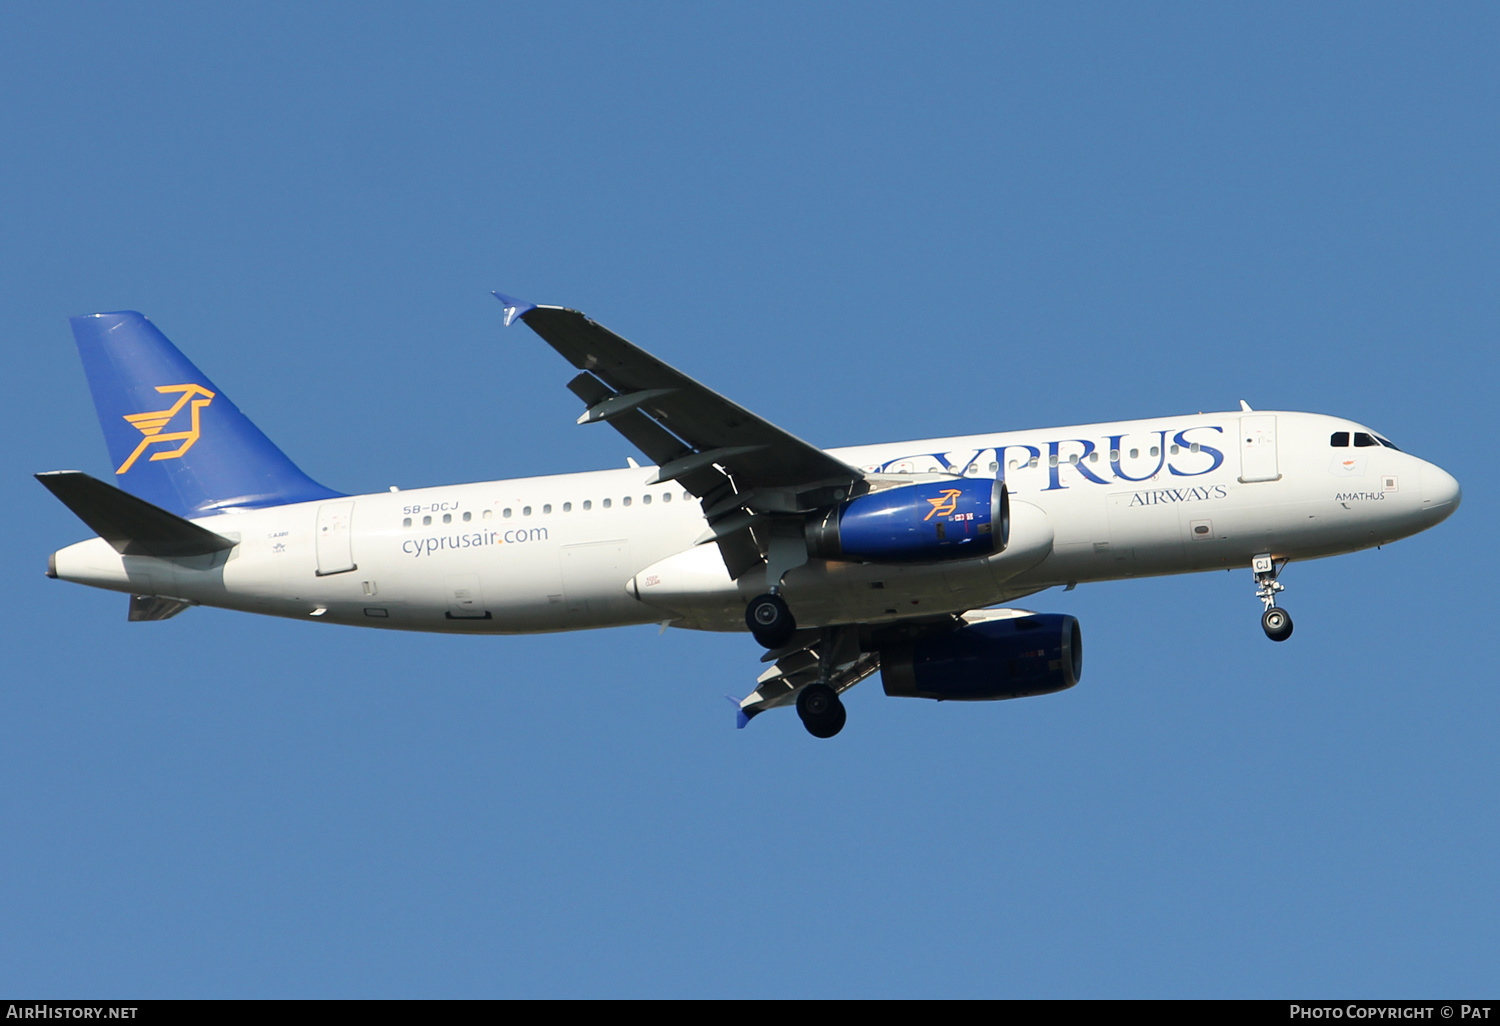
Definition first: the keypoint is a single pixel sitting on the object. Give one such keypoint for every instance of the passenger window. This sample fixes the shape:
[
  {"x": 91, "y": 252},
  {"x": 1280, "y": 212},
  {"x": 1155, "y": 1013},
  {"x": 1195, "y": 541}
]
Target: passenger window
[
  {"x": 1339, "y": 440},
  {"x": 447, "y": 518},
  {"x": 468, "y": 516},
  {"x": 666, "y": 496},
  {"x": 995, "y": 466},
  {"x": 1015, "y": 465},
  {"x": 426, "y": 521},
  {"x": 1073, "y": 459},
  {"x": 588, "y": 503},
  {"x": 687, "y": 496},
  {"x": 506, "y": 514},
  {"x": 1114, "y": 454},
  {"x": 1032, "y": 463},
  {"x": 1093, "y": 457},
  {"x": 1156, "y": 450},
  {"x": 406, "y": 522},
  {"x": 1193, "y": 447},
  {"x": 525, "y": 511},
  {"x": 547, "y": 508},
  {"x": 489, "y": 514},
  {"x": 646, "y": 499},
  {"x": 605, "y": 503},
  {"x": 626, "y": 500},
  {"x": 1363, "y": 440},
  {"x": 567, "y": 507},
  {"x": 1175, "y": 450}
]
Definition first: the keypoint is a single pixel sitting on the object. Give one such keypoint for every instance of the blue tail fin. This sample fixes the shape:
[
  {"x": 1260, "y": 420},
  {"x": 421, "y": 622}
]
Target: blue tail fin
[{"x": 175, "y": 439}]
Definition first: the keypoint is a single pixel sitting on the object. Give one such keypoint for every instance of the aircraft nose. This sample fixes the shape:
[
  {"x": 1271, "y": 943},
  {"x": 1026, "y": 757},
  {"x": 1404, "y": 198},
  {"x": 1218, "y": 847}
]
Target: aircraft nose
[{"x": 1440, "y": 492}]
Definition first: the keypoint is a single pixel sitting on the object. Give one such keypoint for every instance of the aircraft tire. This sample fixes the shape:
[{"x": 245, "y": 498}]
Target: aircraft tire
[
  {"x": 1277, "y": 623},
  {"x": 822, "y": 713},
  {"x": 770, "y": 621}
]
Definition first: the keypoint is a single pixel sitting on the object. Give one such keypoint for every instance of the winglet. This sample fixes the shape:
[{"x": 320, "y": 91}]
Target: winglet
[
  {"x": 740, "y": 716},
  {"x": 513, "y": 307},
  {"x": 1245, "y": 407}
]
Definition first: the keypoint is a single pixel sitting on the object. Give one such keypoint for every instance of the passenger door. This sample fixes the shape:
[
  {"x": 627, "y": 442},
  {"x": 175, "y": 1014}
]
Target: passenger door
[
  {"x": 1258, "y": 449},
  {"x": 335, "y": 554}
]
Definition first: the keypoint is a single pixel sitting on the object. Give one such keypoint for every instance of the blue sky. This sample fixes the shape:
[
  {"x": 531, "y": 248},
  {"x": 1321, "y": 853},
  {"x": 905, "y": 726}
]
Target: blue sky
[{"x": 866, "y": 222}]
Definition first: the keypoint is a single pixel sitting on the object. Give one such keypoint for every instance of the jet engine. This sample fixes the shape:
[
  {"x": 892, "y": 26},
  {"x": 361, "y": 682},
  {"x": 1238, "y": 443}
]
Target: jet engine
[
  {"x": 922, "y": 523},
  {"x": 993, "y": 659}
]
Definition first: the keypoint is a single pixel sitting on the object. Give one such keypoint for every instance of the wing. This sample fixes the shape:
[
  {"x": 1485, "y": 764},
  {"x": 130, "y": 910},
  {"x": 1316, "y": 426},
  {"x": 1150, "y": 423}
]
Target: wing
[
  {"x": 843, "y": 656},
  {"x": 739, "y": 465},
  {"x": 840, "y": 657},
  {"x": 746, "y": 471},
  {"x": 779, "y": 685}
]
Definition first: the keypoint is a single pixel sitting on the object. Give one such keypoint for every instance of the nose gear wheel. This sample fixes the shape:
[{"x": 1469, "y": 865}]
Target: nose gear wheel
[{"x": 1277, "y": 623}]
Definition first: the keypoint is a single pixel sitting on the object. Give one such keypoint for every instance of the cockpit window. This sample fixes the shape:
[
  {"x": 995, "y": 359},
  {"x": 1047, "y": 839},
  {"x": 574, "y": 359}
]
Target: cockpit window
[{"x": 1362, "y": 439}]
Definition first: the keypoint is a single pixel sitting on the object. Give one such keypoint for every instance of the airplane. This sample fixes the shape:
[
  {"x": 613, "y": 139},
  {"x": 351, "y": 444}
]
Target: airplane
[{"x": 902, "y": 558}]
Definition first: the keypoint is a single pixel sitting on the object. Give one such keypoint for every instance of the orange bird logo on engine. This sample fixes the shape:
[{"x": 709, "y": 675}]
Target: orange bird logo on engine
[
  {"x": 944, "y": 505},
  {"x": 150, "y": 424}
]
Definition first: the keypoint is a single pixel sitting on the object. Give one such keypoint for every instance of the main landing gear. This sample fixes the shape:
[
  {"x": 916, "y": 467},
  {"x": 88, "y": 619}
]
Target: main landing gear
[
  {"x": 822, "y": 713},
  {"x": 1275, "y": 621},
  {"x": 770, "y": 621},
  {"x": 818, "y": 704}
]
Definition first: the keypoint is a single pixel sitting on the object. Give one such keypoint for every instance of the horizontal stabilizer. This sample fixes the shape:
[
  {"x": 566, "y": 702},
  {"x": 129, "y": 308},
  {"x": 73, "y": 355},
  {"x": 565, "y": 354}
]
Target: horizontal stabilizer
[
  {"x": 131, "y": 525},
  {"x": 154, "y": 607}
]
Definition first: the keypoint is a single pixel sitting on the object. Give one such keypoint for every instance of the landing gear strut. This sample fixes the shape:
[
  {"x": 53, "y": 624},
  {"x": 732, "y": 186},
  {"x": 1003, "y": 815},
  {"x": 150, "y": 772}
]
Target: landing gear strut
[
  {"x": 770, "y": 620},
  {"x": 822, "y": 713},
  {"x": 1275, "y": 621}
]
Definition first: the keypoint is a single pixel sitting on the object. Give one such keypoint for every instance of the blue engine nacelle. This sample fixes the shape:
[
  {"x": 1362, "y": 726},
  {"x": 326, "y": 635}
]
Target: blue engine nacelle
[
  {"x": 1014, "y": 658},
  {"x": 921, "y": 523}
]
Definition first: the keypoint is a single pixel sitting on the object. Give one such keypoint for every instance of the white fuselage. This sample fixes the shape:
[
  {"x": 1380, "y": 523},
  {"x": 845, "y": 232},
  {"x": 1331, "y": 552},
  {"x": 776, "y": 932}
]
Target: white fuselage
[{"x": 564, "y": 552}]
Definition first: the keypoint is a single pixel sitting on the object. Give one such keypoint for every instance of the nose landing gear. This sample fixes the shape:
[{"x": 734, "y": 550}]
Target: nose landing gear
[{"x": 1275, "y": 621}]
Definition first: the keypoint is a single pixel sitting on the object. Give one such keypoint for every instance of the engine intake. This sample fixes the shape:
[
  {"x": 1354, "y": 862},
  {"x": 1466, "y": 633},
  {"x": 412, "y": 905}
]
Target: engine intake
[
  {"x": 987, "y": 661},
  {"x": 922, "y": 523}
]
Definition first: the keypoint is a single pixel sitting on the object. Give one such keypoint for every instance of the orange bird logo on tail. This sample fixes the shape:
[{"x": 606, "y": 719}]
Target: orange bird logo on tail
[{"x": 150, "y": 424}]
